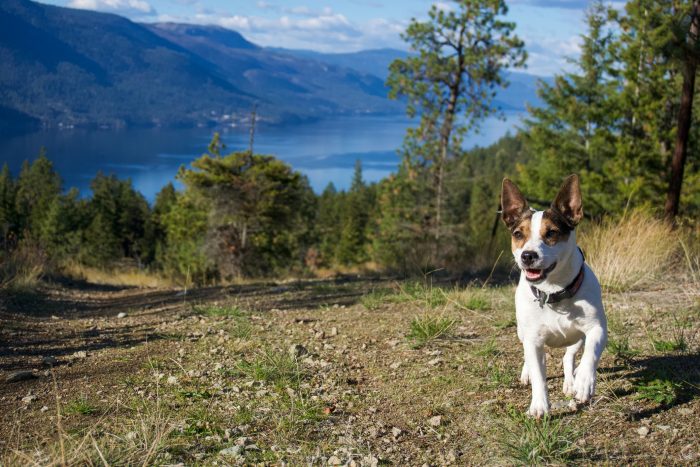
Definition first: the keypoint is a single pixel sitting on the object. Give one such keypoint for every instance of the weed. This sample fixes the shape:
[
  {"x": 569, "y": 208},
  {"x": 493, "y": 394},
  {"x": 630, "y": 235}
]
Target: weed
[
  {"x": 539, "y": 441},
  {"x": 620, "y": 348},
  {"x": 500, "y": 376},
  {"x": 489, "y": 349},
  {"x": 217, "y": 311},
  {"x": 374, "y": 299},
  {"x": 298, "y": 412},
  {"x": 662, "y": 391},
  {"x": 426, "y": 295},
  {"x": 80, "y": 406},
  {"x": 273, "y": 367},
  {"x": 505, "y": 323},
  {"x": 427, "y": 328}
]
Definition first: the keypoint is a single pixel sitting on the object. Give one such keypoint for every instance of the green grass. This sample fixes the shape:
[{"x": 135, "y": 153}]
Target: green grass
[
  {"x": 272, "y": 367},
  {"x": 489, "y": 349},
  {"x": 661, "y": 391},
  {"x": 531, "y": 441},
  {"x": 620, "y": 348},
  {"x": 478, "y": 303},
  {"x": 427, "y": 328},
  {"x": 219, "y": 311},
  {"x": 375, "y": 299},
  {"x": 505, "y": 323},
  {"x": 81, "y": 406},
  {"x": 675, "y": 345},
  {"x": 425, "y": 295}
]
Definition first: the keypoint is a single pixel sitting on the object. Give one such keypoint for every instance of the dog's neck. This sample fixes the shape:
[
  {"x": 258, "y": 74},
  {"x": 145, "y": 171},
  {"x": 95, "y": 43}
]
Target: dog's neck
[{"x": 568, "y": 267}]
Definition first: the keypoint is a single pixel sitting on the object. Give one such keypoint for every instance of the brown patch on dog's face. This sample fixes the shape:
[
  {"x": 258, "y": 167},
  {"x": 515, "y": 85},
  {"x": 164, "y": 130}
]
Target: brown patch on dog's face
[
  {"x": 554, "y": 228},
  {"x": 520, "y": 234}
]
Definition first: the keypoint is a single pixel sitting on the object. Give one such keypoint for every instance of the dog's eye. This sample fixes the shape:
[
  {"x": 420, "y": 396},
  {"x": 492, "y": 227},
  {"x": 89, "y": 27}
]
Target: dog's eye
[
  {"x": 518, "y": 235},
  {"x": 551, "y": 234}
]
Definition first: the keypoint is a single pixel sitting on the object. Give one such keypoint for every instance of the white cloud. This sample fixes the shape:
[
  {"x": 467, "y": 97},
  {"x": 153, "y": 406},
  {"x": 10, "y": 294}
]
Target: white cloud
[{"x": 121, "y": 6}]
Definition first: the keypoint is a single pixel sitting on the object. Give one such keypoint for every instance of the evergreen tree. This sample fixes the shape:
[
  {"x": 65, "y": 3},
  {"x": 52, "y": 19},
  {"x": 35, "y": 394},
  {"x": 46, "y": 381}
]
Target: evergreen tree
[
  {"x": 576, "y": 130},
  {"x": 61, "y": 230},
  {"x": 8, "y": 211},
  {"x": 38, "y": 186},
  {"x": 450, "y": 83},
  {"x": 330, "y": 206},
  {"x": 352, "y": 248}
]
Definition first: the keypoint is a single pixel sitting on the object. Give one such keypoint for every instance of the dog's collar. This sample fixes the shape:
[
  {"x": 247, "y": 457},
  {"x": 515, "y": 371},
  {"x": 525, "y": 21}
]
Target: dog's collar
[{"x": 568, "y": 291}]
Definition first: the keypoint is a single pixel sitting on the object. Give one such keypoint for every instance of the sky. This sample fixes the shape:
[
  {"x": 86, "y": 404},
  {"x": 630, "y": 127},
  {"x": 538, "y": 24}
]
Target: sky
[{"x": 551, "y": 29}]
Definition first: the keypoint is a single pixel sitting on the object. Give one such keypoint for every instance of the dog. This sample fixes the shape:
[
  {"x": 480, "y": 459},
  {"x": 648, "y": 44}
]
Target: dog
[{"x": 558, "y": 300}]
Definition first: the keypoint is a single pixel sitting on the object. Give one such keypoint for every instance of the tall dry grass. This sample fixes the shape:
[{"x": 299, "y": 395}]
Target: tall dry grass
[
  {"x": 631, "y": 252},
  {"x": 22, "y": 268},
  {"x": 118, "y": 276}
]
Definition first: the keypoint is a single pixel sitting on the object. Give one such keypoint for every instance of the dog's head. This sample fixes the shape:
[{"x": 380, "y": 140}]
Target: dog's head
[{"x": 541, "y": 239}]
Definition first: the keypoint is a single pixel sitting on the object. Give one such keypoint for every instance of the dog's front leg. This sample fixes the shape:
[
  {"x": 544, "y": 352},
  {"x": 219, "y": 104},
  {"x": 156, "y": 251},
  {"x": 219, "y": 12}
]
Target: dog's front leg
[
  {"x": 534, "y": 360},
  {"x": 585, "y": 374}
]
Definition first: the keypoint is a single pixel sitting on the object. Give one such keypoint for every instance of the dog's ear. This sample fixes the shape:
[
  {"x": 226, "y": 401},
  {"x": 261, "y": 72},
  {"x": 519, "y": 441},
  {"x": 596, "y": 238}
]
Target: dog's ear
[
  {"x": 568, "y": 202},
  {"x": 513, "y": 204}
]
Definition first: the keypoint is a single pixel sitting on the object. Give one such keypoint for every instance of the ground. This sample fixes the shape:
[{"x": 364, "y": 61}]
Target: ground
[{"x": 361, "y": 372}]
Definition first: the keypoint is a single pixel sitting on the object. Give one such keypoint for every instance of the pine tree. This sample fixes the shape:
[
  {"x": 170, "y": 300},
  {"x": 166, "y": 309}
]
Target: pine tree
[
  {"x": 352, "y": 248},
  {"x": 38, "y": 185},
  {"x": 450, "y": 83},
  {"x": 576, "y": 129},
  {"x": 330, "y": 206},
  {"x": 8, "y": 211}
]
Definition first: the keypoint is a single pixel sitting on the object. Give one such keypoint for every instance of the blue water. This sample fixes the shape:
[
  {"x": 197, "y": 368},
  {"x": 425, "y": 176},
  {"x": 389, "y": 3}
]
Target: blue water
[{"x": 325, "y": 151}]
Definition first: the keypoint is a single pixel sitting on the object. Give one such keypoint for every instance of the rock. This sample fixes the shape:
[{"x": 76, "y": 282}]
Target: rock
[
  {"x": 44, "y": 409},
  {"x": 121, "y": 315},
  {"x": 49, "y": 361},
  {"x": 80, "y": 354},
  {"x": 172, "y": 380},
  {"x": 242, "y": 441},
  {"x": 395, "y": 365},
  {"x": 685, "y": 411},
  {"x": 29, "y": 398},
  {"x": 370, "y": 461},
  {"x": 435, "y": 361},
  {"x": 396, "y": 432},
  {"x": 435, "y": 421},
  {"x": 334, "y": 460},
  {"x": 233, "y": 451},
  {"x": 20, "y": 376},
  {"x": 320, "y": 335},
  {"x": 333, "y": 332},
  {"x": 663, "y": 427},
  {"x": 252, "y": 447},
  {"x": 297, "y": 350},
  {"x": 643, "y": 431}
]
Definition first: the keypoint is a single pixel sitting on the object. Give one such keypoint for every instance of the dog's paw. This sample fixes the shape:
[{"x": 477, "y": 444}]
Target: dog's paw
[
  {"x": 584, "y": 385},
  {"x": 568, "y": 388},
  {"x": 524, "y": 376},
  {"x": 539, "y": 407}
]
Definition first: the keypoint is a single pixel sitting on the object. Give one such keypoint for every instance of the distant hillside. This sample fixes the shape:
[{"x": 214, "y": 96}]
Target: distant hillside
[
  {"x": 289, "y": 81},
  {"x": 65, "y": 67}
]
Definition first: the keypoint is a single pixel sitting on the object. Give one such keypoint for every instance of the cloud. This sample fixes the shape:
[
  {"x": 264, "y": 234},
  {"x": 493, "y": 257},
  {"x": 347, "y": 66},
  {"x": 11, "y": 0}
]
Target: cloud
[
  {"x": 564, "y": 4},
  {"x": 125, "y": 7}
]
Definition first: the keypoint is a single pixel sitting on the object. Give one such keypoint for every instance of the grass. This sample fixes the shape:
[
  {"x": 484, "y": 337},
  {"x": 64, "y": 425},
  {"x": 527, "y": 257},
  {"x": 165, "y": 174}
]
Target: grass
[
  {"x": 620, "y": 348},
  {"x": 273, "y": 367},
  {"x": 129, "y": 276},
  {"x": 661, "y": 391},
  {"x": 630, "y": 252},
  {"x": 81, "y": 406},
  {"x": 21, "y": 270},
  {"x": 489, "y": 349},
  {"x": 375, "y": 299},
  {"x": 427, "y": 328},
  {"x": 219, "y": 311},
  {"x": 545, "y": 441}
]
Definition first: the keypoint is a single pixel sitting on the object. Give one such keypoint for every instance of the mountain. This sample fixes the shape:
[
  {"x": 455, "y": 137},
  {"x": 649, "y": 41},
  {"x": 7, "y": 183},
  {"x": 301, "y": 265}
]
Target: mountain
[
  {"x": 291, "y": 82},
  {"x": 64, "y": 67},
  {"x": 80, "y": 68},
  {"x": 521, "y": 91}
]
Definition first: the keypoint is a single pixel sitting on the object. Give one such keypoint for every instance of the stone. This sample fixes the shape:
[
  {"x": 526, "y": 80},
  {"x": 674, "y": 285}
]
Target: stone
[
  {"x": 334, "y": 460},
  {"x": 233, "y": 451},
  {"x": 435, "y": 421},
  {"x": 121, "y": 315},
  {"x": 49, "y": 361},
  {"x": 643, "y": 431},
  {"x": 297, "y": 350},
  {"x": 80, "y": 354},
  {"x": 396, "y": 432},
  {"x": 435, "y": 361},
  {"x": 685, "y": 411}
]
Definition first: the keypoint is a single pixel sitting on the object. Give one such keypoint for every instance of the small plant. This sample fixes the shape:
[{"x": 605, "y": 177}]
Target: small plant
[
  {"x": 620, "y": 348},
  {"x": 505, "y": 323},
  {"x": 539, "y": 441},
  {"x": 374, "y": 299},
  {"x": 500, "y": 376},
  {"x": 661, "y": 391},
  {"x": 675, "y": 345},
  {"x": 273, "y": 367},
  {"x": 426, "y": 295},
  {"x": 217, "y": 311},
  {"x": 489, "y": 349},
  {"x": 80, "y": 406},
  {"x": 428, "y": 328},
  {"x": 478, "y": 303}
]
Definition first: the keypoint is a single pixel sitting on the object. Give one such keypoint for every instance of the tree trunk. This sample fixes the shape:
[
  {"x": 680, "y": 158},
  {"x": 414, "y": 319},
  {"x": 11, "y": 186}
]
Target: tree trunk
[{"x": 684, "y": 119}]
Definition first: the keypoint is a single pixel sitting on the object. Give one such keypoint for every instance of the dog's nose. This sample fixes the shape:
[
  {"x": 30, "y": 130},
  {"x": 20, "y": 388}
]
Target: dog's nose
[{"x": 528, "y": 257}]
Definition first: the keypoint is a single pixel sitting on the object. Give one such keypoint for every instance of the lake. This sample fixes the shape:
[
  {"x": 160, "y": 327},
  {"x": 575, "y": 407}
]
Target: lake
[{"x": 325, "y": 151}]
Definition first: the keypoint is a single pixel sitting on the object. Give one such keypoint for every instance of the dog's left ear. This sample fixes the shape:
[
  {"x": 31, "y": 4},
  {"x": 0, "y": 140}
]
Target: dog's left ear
[{"x": 568, "y": 202}]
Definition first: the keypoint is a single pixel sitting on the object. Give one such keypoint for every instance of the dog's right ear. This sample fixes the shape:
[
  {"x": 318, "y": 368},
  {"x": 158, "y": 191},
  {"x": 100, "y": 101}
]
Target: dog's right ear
[{"x": 513, "y": 204}]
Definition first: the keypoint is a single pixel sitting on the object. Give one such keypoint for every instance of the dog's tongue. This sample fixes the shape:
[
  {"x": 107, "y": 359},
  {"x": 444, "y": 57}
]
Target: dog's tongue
[{"x": 533, "y": 274}]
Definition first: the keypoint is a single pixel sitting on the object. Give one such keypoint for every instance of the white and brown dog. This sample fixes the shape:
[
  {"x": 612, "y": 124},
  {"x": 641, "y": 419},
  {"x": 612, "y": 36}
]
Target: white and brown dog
[{"x": 558, "y": 300}]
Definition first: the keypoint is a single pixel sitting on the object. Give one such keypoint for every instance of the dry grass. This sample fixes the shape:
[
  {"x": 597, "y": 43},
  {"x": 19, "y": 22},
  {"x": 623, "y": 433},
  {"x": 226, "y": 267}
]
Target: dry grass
[
  {"x": 130, "y": 277},
  {"x": 22, "y": 269},
  {"x": 631, "y": 252}
]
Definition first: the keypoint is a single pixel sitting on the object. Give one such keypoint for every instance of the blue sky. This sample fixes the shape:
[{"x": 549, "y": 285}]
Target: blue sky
[{"x": 551, "y": 29}]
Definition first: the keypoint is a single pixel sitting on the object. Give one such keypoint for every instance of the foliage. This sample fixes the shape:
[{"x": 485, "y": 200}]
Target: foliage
[
  {"x": 661, "y": 391},
  {"x": 543, "y": 441}
]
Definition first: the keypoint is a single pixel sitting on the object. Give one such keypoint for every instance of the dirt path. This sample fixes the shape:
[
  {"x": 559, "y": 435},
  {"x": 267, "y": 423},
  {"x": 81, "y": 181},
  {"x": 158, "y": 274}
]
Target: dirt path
[{"x": 322, "y": 372}]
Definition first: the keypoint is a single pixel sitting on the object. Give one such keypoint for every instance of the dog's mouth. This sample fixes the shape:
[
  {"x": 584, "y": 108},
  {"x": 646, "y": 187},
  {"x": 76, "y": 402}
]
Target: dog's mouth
[{"x": 538, "y": 275}]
